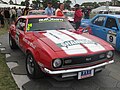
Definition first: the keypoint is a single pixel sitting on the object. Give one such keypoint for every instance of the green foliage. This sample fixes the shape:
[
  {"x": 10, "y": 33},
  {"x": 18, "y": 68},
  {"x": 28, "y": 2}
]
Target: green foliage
[
  {"x": 90, "y": 4},
  {"x": 54, "y": 3},
  {"x": 23, "y": 3},
  {"x": 6, "y": 80},
  {"x": 11, "y": 2},
  {"x": 67, "y": 4}
]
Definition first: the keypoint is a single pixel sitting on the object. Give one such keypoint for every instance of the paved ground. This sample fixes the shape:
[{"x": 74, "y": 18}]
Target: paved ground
[{"x": 108, "y": 79}]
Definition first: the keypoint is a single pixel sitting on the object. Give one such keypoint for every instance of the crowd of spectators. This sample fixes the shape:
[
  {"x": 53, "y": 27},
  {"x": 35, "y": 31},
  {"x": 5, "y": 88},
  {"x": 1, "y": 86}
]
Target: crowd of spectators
[{"x": 9, "y": 15}]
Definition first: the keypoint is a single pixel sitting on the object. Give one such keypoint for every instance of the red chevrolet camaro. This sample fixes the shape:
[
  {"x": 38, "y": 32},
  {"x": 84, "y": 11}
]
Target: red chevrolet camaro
[{"x": 52, "y": 46}]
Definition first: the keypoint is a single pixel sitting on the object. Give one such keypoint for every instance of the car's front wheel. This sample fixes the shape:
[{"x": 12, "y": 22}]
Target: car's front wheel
[
  {"x": 33, "y": 69},
  {"x": 12, "y": 43}
]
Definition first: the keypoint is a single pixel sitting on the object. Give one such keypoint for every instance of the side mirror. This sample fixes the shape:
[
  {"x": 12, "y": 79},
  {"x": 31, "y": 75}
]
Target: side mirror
[
  {"x": 22, "y": 26},
  {"x": 12, "y": 27},
  {"x": 114, "y": 28},
  {"x": 79, "y": 30},
  {"x": 85, "y": 30}
]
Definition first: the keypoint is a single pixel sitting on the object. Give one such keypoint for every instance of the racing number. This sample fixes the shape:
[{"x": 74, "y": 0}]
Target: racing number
[{"x": 111, "y": 38}]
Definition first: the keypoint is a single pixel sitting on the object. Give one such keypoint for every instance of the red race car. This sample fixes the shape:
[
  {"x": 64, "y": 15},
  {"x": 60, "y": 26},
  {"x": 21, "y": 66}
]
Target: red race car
[{"x": 52, "y": 46}]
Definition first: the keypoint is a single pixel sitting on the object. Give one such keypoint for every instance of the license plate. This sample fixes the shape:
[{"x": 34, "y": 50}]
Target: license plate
[{"x": 85, "y": 74}]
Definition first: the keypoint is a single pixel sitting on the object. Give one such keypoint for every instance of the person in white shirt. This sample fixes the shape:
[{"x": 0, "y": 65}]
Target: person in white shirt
[{"x": 19, "y": 12}]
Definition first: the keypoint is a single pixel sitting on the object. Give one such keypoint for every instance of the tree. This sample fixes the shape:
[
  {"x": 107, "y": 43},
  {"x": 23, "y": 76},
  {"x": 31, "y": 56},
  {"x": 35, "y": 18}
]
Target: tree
[
  {"x": 67, "y": 4},
  {"x": 54, "y": 3},
  {"x": 27, "y": 3},
  {"x": 11, "y": 2},
  {"x": 114, "y": 2},
  {"x": 1, "y": 1},
  {"x": 23, "y": 3}
]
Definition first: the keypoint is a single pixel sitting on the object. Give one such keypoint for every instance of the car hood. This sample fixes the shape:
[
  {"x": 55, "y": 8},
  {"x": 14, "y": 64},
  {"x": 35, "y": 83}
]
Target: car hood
[{"x": 69, "y": 42}]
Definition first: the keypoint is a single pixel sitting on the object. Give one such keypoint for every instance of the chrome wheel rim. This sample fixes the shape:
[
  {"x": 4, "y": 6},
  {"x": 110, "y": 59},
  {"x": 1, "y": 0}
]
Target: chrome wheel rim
[
  {"x": 30, "y": 65},
  {"x": 10, "y": 41}
]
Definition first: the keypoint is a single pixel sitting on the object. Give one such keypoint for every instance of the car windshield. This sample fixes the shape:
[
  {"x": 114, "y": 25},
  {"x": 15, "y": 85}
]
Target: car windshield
[
  {"x": 41, "y": 24},
  {"x": 36, "y": 13},
  {"x": 70, "y": 14}
]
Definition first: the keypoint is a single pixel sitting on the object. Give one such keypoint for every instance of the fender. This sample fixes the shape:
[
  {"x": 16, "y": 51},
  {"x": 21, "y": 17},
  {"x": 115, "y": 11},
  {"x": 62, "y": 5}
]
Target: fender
[{"x": 32, "y": 51}]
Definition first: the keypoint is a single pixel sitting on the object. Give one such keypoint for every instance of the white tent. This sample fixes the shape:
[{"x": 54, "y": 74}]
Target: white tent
[
  {"x": 7, "y": 5},
  {"x": 104, "y": 8}
]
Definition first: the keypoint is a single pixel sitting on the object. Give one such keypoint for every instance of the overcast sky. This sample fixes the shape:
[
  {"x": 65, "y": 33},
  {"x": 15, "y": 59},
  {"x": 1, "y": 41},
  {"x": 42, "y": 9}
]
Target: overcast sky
[{"x": 77, "y": 1}]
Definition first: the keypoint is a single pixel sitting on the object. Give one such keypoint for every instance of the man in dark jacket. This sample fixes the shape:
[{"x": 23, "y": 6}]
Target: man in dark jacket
[
  {"x": 1, "y": 19},
  {"x": 7, "y": 15}
]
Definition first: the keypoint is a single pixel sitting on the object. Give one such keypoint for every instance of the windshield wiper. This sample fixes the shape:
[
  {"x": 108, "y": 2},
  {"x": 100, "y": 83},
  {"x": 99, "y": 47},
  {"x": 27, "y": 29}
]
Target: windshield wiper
[
  {"x": 38, "y": 30},
  {"x": 61, "y": 29}
]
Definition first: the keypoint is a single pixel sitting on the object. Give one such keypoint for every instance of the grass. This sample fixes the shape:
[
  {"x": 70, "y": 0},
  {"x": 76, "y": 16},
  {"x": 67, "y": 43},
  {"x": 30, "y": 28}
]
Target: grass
[
  {"x": 3, "y": 31},
  {"x": 6, "y": 80}
]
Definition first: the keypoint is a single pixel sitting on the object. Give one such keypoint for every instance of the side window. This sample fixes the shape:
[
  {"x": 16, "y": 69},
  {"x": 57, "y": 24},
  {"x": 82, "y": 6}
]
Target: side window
[
  {"x": 111, "y": 22},
  {"x": 21, "y": 24},
  {"x": 99, "y": 21}
]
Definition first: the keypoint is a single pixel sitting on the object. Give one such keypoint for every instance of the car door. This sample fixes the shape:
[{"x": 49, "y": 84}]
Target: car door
[
  {"x": 20, "y": 32},
  {"x": 97, "y": 27},
  {"x": 112, "y": 29}
]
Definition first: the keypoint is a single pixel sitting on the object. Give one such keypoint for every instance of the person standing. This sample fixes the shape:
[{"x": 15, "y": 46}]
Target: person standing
[
  {"x": 49, "y": 10},
  {"x": 13, "y": 12},
  {"x": 59, "y": 11},
  {"x": 25, "y": 11},
  {"x": 1, "y": 19},
  {"x": 19, "y": 12},
  {"x": 77, "y": 16},
  {"x": 7, "y": 15},
  {"x": 86, "y": 12}
]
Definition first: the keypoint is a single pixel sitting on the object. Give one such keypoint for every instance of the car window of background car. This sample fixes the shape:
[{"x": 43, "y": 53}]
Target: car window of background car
[
  {"x": 36, "y": 13},
  {"x": 110, "y": 23},
  {"x": 99, "y": 20},
  {"x": 36, "y": 25},
  {"x": 70, "y": 14},
  {"x": 119, "y": 20},
  {"x": 20, "y": 24}
]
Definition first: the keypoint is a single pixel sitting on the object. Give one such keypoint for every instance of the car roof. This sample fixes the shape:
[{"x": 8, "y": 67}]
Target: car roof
[
  {"x": 111, "y": 15},
  {"x": 36, "y": 10},
  {"x": 40, "y": 16}
]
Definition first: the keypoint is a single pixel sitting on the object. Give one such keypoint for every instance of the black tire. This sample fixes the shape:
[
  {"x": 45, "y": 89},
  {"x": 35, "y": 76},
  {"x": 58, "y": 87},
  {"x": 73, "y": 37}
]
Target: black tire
[
  {"x": 12, "y": 43},
  {"x": 32, "y": 68}
]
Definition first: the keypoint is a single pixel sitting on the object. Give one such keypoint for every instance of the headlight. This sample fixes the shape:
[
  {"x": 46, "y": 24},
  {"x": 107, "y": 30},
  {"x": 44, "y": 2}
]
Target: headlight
[
  {"x": 110, "y": 54},
  {"x": 57, "y": 63}
]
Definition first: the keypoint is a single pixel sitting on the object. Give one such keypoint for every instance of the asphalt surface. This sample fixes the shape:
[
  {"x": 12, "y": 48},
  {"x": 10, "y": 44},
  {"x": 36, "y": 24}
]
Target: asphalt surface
[{"x": 108, "y": 79}]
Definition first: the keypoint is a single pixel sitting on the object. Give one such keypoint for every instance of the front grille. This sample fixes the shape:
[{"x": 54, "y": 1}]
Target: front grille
[{"x": 84, "y": 59}]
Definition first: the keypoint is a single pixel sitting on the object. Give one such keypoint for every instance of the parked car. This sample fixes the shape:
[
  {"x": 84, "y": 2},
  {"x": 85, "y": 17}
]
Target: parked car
[
  {"x": 36, "y": 12},
  {"x": 69, "y": 15},
  {"x": 106, "y": 27},
  {"x": 52, "y": 46}
]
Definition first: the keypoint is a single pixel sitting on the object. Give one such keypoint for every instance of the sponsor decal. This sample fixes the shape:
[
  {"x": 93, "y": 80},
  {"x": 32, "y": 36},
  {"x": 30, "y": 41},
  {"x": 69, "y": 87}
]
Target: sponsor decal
[
  {"x": 91, "y": 46},
  {"x": 51, "y": 20},
  {"x": 75, "y": 42},
  {"x": 29, "y": 43}
]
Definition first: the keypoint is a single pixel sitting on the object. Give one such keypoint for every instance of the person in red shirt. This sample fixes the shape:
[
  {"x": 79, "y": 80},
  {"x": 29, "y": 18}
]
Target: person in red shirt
[
  {"x": 77, "y": 16},
  {"x": 59, "y": 11}
]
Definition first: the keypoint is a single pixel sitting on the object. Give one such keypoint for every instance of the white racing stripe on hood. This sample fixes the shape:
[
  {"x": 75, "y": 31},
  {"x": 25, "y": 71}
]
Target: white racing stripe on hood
[
  {"x": 92, "y": 46},
  {"x": 59, "y": 38}
]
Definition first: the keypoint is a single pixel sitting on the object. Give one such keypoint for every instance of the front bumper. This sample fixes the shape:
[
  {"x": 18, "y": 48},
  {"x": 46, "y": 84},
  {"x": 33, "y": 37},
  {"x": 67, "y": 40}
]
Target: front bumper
[{"x": 76, "y": 70}]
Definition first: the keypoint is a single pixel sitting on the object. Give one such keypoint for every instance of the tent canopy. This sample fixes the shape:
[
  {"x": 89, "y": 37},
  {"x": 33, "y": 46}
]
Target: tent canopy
[
  {"x": 7, "y": 5},
  {"x": 104, "y": 8}
]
